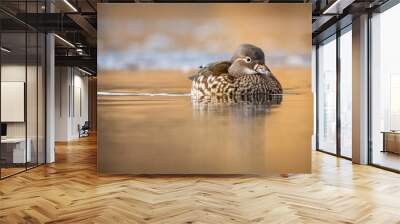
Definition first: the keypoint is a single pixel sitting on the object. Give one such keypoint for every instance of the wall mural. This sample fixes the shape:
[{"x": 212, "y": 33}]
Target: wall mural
[{"x": 204, "y": 88}]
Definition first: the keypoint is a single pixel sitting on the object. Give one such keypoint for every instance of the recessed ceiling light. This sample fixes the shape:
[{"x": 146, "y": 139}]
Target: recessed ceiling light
[
  {"x": 5, "y": 50},
  {"x": 337, "y": 7},
  {"x": 64, "y": 40},
  {"x": 70, "y": 5},
  {"x": 84, "y": 71}
]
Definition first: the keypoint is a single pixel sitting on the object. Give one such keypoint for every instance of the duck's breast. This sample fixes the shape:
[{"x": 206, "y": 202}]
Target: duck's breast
[
  {"x": 258, "y": 84},
  {"x": 207, "y": 85}
]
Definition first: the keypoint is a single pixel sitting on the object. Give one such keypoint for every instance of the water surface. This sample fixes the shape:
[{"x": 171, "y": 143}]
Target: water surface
[{"x": 148, "y": 123}]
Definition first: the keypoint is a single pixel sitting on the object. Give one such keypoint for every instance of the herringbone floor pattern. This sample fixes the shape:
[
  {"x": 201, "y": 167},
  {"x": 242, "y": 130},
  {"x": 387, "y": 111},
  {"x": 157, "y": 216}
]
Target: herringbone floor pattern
[{"x": 70, "y": 191}]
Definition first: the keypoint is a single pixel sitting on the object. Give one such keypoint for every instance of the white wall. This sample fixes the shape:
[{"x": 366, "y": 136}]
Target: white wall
[
  {"x": 62, "y": 81},
  {"x": 80, "y": 109},
  {"x": 34, "y": 125},
  {"x": 71, "y": 102},
  {"x": 16, "y": 73}
]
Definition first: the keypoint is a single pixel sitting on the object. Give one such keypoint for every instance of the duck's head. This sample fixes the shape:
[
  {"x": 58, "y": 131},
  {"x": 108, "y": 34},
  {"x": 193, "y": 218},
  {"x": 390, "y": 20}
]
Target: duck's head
[{"x": 247, "y": 60}]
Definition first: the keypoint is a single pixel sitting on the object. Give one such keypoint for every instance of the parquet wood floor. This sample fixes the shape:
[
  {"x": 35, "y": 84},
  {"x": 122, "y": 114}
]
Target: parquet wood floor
[{"x": 70, "y": 191}]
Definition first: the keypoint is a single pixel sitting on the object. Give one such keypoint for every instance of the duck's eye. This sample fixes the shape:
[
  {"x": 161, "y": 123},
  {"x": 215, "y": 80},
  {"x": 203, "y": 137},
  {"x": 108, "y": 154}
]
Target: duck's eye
[{"x": 247, "y": 59}]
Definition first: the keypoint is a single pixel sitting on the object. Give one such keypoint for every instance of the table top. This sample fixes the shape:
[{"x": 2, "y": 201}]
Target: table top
[
  {"x": 391, "y": 132},
  {"x": 13, "y": 140}
]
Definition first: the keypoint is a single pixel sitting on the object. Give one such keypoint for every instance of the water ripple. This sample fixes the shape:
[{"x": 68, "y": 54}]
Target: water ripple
[
  {"x": 102, "y": 93},
  {"x": 140, "y": 94}
]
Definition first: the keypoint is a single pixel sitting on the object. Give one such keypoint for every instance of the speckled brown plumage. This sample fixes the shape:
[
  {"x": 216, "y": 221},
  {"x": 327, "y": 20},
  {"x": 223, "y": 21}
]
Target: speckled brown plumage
[
  {"x": 245, "y": 74},
  {"x": 216, "y": 81}
]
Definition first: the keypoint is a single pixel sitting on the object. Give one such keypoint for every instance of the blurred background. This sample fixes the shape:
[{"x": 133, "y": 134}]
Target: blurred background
[{"x": 163, "y": 37}]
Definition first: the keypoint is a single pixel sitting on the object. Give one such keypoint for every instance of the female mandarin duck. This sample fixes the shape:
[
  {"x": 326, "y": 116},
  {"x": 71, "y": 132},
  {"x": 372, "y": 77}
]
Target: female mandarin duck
[{"x": 245, "y": 74}]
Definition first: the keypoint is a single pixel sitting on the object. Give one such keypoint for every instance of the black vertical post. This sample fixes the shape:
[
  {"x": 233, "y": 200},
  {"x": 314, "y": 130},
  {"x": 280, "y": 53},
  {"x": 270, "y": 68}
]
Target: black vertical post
[
  {"x": 26, "y": 86},
  {"x": 37, "y": 89},
  {"x": 73, "y": 91},
  {"x": 338, "y": 81},
  {"x": 69, "y": 92},
  {"x": 45, "y": 95},
  {"x": 45, "y": 87},
  {"x": 369, "y": 91},
  {"x": 0, "y": 96},
  {"x": 317, "y": 96}
]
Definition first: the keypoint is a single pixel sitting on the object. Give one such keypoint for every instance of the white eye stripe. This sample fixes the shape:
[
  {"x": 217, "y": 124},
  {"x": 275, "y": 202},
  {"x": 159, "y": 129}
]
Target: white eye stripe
[{"x": 246, "y": 59}]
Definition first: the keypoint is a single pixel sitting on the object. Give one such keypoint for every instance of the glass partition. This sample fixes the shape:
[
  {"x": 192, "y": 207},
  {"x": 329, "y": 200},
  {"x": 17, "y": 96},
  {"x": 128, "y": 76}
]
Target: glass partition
[
  {"x": 385, "y": 89},
  {"x": 31, "y": 99},
  {"x": 346, "y": 93},
  {"x": 14, "y": 153},
  {"x": 22, "y": 88},
  {"x": 334, "y": 91},
  {"x": 327, "y": 96}
]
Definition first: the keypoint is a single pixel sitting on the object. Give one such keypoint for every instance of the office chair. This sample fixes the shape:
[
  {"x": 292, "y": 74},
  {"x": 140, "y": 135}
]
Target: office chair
[{"x": 84, "y": 130}]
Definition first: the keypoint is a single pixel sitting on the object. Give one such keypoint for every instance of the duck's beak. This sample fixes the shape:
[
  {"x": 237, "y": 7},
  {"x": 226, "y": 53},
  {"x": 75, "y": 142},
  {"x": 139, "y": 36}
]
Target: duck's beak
[{"x": 262, "y": 69}]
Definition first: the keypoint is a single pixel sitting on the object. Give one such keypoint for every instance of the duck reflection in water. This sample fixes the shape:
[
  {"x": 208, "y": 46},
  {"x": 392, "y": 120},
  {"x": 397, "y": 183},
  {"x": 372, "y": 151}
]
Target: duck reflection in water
[{"x": 241, "y": 105}]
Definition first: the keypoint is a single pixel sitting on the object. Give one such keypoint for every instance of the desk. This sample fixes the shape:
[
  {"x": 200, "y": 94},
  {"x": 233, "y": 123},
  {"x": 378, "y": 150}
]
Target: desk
[
  {"x": 15, "y": 148},
  {"x": 391, "y": 141}
]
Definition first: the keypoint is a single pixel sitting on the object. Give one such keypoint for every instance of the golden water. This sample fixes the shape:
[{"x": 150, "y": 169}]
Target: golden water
[{"x": 158, "y": 128}]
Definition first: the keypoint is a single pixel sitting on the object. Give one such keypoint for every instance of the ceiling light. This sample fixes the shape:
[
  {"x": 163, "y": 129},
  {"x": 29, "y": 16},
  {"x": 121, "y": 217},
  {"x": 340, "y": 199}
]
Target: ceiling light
[
  {"x": 84, "y": 71},
  {"x": 70, "y": 5},
  {"x": 65, "y": 41},
  {"x": 5, "y": 50},
  {"x": 79, "y": 51},
  {"x": 337, "y": 7}
]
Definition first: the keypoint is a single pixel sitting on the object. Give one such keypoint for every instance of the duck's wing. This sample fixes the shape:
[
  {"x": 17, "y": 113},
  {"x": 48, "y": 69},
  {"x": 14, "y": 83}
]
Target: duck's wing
[
  {"x": 274, "y": 86},
  {"x": 213, "y": 79},
  {"x": 215, "y": 69}
]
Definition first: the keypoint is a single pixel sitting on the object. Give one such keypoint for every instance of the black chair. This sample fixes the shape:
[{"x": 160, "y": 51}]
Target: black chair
[{"x": 84, "y": 130}]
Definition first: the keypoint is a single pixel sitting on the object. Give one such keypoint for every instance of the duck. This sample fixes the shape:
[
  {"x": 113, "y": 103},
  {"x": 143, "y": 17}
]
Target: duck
[{"x": 245, "y": 74}]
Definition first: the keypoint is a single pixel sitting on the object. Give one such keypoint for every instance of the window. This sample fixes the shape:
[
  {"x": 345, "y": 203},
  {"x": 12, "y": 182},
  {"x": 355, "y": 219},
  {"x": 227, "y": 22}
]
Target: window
[
  {"x": 385, "y": 89},
  {"x": 333, "y": 137},
  {"x": 346, "y": 93},
  {"x": 327, "y": 96}
]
